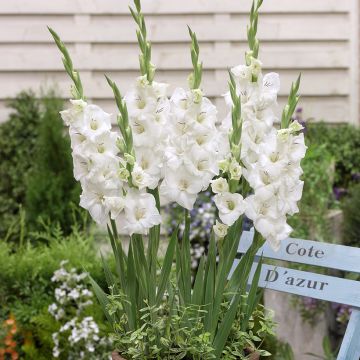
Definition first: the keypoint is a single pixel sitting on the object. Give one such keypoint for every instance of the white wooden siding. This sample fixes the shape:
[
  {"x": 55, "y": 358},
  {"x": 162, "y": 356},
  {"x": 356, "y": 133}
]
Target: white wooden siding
[{"x": 318, "y": 38}]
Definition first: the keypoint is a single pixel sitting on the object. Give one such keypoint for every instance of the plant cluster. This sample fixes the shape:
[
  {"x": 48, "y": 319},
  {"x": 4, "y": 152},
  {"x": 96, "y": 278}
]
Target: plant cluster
[
  {"x": 171, "y": 149},
  {"x": 78, "y": 334}
]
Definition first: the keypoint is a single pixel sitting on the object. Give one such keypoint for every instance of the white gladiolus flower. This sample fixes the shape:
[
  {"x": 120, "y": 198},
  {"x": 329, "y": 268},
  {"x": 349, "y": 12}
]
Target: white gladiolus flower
[
  {"x": 220, "y": 229},
  {"x": 140, "y": 213},
  {"x": 93, "y": 200},
  {"x": 104, "y": 143},
  {"x": 115, "y": 204},
  {"x": 230, "y": 206},
  {"x": 181, "y": 186},
  {"x": 219, "y": 186},
  {"x": 273, "y": 230},
  {"x": 74, "y": 115},
  {"x": 235, "y": 170},
  {"x": 95, "y": 122},
  {"x": 140, "y": 178}
]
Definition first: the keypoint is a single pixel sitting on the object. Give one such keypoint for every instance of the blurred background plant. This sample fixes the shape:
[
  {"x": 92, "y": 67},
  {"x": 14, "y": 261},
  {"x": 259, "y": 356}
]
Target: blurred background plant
[{"x": 36, "y": 168}]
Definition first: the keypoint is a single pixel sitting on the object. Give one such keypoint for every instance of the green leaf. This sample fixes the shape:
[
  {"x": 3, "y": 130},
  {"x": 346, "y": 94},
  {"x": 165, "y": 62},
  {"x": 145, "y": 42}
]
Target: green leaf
[
  {"x": 210, "y": 284},
  {"x": 103, "y": 300},
  {"x": 252, "y": 298},
  {"x": 198, "y": 291},
  {"x": 166, "y": 268}
]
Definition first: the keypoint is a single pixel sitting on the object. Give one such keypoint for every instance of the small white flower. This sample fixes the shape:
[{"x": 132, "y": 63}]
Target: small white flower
[
  {"x": 230, "y": 206},
  {"x": 220, "y": 229},
  {"x": 235, "y": 170},
  {"x": 219, "y": 185}
]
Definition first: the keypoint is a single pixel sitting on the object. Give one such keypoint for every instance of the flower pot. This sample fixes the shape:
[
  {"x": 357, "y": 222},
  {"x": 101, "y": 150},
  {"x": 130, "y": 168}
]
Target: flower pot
[
  {"x": 116, "y": 356},
  {"x": 254, "y": 356}
]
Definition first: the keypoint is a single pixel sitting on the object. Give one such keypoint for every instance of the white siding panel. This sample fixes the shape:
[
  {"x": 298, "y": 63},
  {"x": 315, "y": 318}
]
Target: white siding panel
[
  {"x": 317, "y": 38},
  {"x": 169, "y": 6}
]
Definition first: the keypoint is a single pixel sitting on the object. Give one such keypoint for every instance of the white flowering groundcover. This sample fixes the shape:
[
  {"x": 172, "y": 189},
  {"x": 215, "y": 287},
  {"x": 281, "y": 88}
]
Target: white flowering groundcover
[{"x": 170, "y": 150}]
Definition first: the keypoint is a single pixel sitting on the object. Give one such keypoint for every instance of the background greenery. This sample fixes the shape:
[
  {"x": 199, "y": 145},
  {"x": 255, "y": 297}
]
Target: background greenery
[{"x": 36, "y": 167}]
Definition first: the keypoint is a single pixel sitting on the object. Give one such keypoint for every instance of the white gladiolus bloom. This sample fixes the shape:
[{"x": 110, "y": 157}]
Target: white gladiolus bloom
[
  {"x": 181, "y": 186},
  {"x": 140, "y": 213},
  {"x": 230, "y": 206},
  {"x": 93, "y": 200},
  {"x": 74, "y": 115},
  {"x": 95, "y": 122},
  {"x": 219, "y": 186},
  {"x": 140, "y": 178},
  {"x": 178, "y": 146},
  {"x": 115, "y": 204},
  {"x": 220, "y": 229}
]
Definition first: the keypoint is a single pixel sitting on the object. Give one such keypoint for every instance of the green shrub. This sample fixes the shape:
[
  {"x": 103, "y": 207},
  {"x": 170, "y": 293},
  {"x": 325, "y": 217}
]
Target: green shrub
[
  {"x": 351, "y": 224},
  {"x": 343, "y": 143},
  {"x": 17, "y": 147},
  {"x": 36, "y": 168},
  {"x": 52, "y": 193}
]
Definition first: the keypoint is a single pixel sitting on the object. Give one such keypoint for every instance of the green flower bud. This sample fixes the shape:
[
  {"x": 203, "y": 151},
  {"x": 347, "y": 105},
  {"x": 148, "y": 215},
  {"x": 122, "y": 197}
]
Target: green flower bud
[
  {"x": 129, "y": 159},
  {"x": 235, "y": 170},
  {"x": 120, "y": 143},
  {"x": 295, "y": 127},
  {"x": 197, "y": 95},
  {"x": 224, "y": 165},
  {"x": 190, "y": 80},
  {"x": 124, "y": 174},
  {"x": 235, "y": 150}
]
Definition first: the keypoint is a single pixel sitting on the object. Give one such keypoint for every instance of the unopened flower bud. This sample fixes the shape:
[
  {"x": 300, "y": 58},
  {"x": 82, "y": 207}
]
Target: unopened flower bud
[
  {"x": 120, "y": 143},
  {"x": 223, "y": 165},
  {"x": 283, "y": 134},
  {"x": 248, "y": 56},
  {"x": 235, "y": 150},
  {"x": 255, "y": 66},
  {"x": 197, "y": 96},
  {"x": 191, "y": 80},
  {"x": 124, "y": 174},
  {"x": 235, "y": 170},
  {"x": 220, "y": 229},
  {"x": 295, "y": 126},
  {"x": 129, "y": 159}
]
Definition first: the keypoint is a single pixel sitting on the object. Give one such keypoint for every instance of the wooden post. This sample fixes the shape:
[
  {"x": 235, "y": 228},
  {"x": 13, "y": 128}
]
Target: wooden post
[{"x": 350, "y": 347}]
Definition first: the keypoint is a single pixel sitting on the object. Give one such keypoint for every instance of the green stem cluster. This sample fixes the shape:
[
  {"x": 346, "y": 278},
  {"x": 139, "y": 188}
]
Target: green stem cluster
[
  {"x": 146, "y": 67},
  {"x": 196, "y": 75},
  {"x": 252, "y": 29},
  {"x": 235, "y": 135},
  {"x": 78, "y": 91},
  {"x": 292, "y": 102}
]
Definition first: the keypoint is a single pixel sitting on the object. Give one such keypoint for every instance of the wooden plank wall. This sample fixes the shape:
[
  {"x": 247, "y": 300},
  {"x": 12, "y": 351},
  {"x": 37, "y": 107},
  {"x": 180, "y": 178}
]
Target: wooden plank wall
[{"x": 318, "y": 38}]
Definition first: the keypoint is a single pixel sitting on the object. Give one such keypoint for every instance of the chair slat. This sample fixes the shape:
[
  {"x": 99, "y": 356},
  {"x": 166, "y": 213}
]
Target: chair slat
[
  {"x": 350, "y": 347},
  {"x": 309, "y": 284},
  {"x": 309, "y": 252}
]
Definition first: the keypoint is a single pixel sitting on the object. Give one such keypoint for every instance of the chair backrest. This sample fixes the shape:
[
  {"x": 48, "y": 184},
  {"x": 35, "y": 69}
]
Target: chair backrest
[{"x": 317, "y": 286}]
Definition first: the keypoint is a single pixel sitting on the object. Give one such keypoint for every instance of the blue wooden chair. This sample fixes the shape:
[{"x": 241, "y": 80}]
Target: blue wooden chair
[{"x": 314, "y": 285}]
